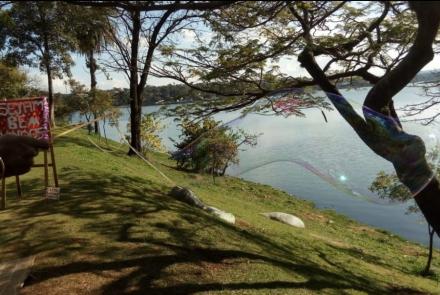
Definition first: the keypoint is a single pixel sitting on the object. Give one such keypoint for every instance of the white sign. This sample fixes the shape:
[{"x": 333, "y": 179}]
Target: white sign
[{"x": 53, "y": 193}]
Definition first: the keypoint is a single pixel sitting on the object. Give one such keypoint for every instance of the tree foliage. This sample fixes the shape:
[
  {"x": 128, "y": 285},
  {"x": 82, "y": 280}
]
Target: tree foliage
[
  {"x": 150, "y": 134},
  {"x": 5, "y": 23},
  {"x": 89, "y": 103},
  {"x": 241, "y": 62},
  {"x": 13, "y": 82},
  {"x": 91, "y": 31},
  {"x": 207, "y": 146},
  {"x": 38, "y": 35},
  {"x": 384, "y": 43}
]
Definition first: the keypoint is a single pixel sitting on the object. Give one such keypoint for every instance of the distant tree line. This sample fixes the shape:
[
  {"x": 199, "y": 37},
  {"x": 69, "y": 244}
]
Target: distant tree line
[{"x": 156, "y": 95}]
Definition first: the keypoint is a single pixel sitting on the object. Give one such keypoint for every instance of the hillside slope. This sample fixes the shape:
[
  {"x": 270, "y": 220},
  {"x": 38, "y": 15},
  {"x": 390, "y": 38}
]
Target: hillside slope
[{"x": 116, "y": 231}]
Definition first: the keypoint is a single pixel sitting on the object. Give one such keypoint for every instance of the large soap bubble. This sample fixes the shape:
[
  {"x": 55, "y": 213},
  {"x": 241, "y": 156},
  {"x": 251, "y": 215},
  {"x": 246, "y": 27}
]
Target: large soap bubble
[
  {"x": 333, "y": 152},
  {"x": 322, "y": 155}
]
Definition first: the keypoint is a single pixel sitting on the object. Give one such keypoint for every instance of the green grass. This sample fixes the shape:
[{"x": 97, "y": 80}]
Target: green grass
[{"x": 115, "y": 230}]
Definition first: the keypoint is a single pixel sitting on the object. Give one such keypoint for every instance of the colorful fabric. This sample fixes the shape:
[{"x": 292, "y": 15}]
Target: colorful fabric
[{"x": 25, "y": 117}]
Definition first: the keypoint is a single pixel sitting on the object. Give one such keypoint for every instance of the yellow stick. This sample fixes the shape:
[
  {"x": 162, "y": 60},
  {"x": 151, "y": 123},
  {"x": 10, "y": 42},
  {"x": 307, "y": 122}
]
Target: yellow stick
[{"x": 3, "y": 201}]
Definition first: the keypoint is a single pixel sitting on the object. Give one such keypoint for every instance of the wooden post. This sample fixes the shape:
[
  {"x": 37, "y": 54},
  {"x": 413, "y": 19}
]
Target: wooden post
[
  {"x": 46, "y": 170},
  {"x": 3, "y": 203},
  {"x": 54, "y": 166},
  {"x": 17, "y": 181},
  {"x": 3, "y": 200}
]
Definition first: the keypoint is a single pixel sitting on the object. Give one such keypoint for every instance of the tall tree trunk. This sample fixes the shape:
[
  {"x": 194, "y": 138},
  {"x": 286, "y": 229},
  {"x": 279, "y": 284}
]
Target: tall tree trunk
[
  {"x": 92, "y": 70},
  {"x": 135, "y": 96},
  {"x": 135, "y": 122},
  {"x": 93, "y": 83},
  {"x": 137, "y": 85},
  {"x": 50, "y": 95},
  {"x": 223, "y": 172},
  {"x": 428, "y": 200},
  {"x": 427, "y": 269},
  {"x": 47, "y": 60},
  {"x": 97, "y": 131}
]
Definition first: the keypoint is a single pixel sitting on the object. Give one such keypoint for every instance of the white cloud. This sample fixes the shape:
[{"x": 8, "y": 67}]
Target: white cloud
[
  {"x": 40, "y": 81},
  {"x": 60, "y": 86},
  {"x": 290, "y": 66},
  {"x": 433, "y": 64},
  {"x": 188, "y": 35},
  {"x": 143, "y": 42},
  {"x": 118, "y": 82}
]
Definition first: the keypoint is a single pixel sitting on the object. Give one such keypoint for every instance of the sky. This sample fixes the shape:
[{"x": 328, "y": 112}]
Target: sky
[
  {"x": 81, "y": 73},
  {"x": 186, "y": 39}
]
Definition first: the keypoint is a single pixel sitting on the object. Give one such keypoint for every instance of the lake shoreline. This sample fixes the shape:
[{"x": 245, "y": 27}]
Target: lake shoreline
[{"x": 331, "y": 150}]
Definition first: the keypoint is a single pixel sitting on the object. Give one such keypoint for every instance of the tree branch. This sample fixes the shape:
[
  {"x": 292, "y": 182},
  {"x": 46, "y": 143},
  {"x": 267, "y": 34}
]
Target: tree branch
[
  {"x": 421, "y": 53},
  {"x": 152, "y": 47},
  {"x": 348, "y": 46},
  {"x": 308, "y": 61},
  {"x": 151, "y": 6}
]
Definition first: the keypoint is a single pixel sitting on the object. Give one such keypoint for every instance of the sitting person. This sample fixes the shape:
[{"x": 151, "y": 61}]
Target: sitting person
[{"x": 18, "y": 152}]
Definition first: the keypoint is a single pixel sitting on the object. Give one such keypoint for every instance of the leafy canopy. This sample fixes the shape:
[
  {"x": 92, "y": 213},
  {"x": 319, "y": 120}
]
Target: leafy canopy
[{"x": 207, "y": 146}]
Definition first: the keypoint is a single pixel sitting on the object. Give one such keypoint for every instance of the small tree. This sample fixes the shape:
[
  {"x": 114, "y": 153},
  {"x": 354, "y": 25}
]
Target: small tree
[
  {"x": 150, "y": 139},
  {"x": 207, "y": 146},
  {"x": 388, "y": 186},
  {"x": 91, "y": 104},
  {"x": 78, "y": 99},
  {"x": 150, "y": 129}
]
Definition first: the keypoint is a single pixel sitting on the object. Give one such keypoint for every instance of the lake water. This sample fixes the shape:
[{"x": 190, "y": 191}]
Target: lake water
[{"x": 325, "y": 149}]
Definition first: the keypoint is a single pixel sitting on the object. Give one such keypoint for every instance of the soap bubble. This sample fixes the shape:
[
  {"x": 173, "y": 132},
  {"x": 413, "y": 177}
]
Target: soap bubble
[
  {"x": 356, "y": 165},
  {"x": 327, "y": 154}
]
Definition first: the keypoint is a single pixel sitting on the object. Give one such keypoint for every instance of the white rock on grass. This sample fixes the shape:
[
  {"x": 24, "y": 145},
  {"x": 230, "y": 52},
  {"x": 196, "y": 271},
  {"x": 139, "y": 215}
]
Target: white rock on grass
[
  {"x": 228, "y": 217},
  {"x": 285, "y": 218},
  {"x": 187, "y": 196}
]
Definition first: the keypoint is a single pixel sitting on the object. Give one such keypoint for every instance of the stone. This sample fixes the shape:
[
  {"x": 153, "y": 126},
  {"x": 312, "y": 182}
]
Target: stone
[
  {"x": 285, "y": 218},
  {"x": 187, "y": 196},
  {"x": 228, "y": 217},
  {"x": 14, "y": 273}
]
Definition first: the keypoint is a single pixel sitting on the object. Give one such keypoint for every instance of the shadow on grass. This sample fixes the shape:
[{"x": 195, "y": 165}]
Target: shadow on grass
[
  {"x": 150, "y": 268},
  {"x": 121, "y": 218}
]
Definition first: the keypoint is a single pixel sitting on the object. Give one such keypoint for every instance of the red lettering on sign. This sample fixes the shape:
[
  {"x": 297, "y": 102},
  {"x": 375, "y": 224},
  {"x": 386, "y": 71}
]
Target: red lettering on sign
[{"x": 29, "y": 117}]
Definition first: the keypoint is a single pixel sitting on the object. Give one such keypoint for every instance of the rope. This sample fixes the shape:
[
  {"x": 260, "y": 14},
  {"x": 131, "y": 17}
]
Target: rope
[
  {"x": 3, "y": 196},
  {"x": 78, "y": 127},
  {"x": 122, "y": 137},
  {"x": 2, "y": 165},
  {"x": 143, "y": 158},
  {"x": 101, "y": 148}
]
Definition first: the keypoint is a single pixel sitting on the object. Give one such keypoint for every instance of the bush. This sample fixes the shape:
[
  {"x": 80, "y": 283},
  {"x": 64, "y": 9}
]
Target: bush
[
  {"x": 207, "y": 146},
  {"x": 150, "y": 129},
  {"x": 150, "y": 138}
]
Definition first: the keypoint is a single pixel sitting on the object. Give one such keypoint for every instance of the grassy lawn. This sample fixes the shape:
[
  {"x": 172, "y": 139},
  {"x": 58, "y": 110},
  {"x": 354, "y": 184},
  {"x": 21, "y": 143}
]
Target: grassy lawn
[{"x": 116, "y": 231}]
